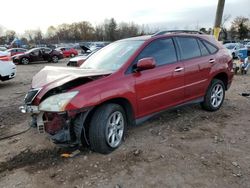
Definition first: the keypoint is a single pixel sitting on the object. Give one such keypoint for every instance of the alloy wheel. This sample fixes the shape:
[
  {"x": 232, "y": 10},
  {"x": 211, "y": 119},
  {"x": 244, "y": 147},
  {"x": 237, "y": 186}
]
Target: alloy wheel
[
  {"x": 115, "y": 129},
  {"x": 217, "y": 95}
]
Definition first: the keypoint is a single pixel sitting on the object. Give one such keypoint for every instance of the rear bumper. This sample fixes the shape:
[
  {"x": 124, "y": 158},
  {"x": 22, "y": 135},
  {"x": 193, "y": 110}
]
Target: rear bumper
[{"x": 230, "y": 79}]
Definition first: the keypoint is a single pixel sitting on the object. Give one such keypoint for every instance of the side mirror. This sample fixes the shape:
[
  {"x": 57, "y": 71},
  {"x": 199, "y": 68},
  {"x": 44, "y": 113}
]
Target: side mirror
[{"x": 145, "y": 64}]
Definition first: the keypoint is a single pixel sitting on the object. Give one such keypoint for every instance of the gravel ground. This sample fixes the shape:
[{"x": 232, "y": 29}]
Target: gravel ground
[{"x": 187, "y": 147}]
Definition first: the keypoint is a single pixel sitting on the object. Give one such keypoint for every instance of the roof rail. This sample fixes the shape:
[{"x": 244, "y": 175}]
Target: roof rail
[{"x": 178, "y": 31}]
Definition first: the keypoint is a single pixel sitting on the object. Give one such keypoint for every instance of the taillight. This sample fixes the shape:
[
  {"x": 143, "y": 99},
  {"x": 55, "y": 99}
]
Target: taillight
[{"x": 5, "y": 58}]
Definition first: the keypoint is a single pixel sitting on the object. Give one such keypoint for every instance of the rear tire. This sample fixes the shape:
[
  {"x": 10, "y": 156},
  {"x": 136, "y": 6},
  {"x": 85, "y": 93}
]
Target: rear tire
[
  {"x": 214, "y": 96},
  {"x": 55, "y": 59},
  {"x": 107, "y": 128}
]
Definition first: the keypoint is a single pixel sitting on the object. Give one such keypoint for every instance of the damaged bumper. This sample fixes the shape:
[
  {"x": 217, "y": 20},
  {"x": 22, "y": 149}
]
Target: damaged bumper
[{"x": 60, "y": 126}]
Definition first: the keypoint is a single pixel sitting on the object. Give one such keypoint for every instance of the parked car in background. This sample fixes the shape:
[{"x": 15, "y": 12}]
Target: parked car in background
[
  {"x": 126, "y": 83},
  {"x": 7, "y": 67},
  {"x": 248, "y": 45},
  {"x": 15, "y": 51},
  {"x": 38, "y": 54},
  {"x": 234, "y": 48},
  {"x": 248, "y": 48},
  {"x": 68, "y": 51},
  {"x": 3, "y": 48},
  {"x": 79, "y": 60}
]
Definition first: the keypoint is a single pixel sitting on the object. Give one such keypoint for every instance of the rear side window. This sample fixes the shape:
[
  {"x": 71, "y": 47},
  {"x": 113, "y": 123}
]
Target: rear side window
[
  {"x": 212, "y": 49},
  {"x": 162, "y": 50},
  {"x": 189, "y": 47},
  {"x": 204, "y": 50}
]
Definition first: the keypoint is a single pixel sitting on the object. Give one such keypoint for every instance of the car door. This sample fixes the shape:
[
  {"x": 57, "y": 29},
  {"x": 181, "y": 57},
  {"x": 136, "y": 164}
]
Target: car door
[
  {"x": 46, "y": 54},
  {"x": 34, "y": 55},
  {"x": 67, "y": 52},
  {"x": 197, "y": 62},
  {"x": 162, "y": 86}
]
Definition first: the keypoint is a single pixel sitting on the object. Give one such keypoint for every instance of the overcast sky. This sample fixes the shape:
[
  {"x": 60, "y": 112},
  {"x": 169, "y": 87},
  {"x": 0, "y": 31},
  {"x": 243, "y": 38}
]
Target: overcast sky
[{"x": 21, "y": 15}]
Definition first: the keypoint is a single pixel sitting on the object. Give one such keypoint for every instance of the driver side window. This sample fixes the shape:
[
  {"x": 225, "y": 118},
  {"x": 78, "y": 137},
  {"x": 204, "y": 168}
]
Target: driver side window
[
  {"x": 162, "y": 50},
  {"x": 36, "y": 52}
]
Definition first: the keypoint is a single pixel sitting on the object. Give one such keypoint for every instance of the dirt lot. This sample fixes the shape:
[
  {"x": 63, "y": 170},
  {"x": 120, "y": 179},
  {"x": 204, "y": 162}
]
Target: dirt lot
[{"x": 187, "y": 147}]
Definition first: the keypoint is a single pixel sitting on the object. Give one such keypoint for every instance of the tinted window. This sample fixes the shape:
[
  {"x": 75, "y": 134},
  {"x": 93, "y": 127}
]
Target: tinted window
[
  {"x": 162, "y": 50},
  {"x": 189, "y": 47},
  {"x": 46, "y": 50},
  {"x": 35, "y": 52},
  {"x": 212, "y": 49},
  {"x": 204, "y": 50}
]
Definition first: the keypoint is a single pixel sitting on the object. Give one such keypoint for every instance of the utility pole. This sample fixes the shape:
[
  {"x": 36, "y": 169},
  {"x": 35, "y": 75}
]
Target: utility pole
[{"x": 218, "y": 18}]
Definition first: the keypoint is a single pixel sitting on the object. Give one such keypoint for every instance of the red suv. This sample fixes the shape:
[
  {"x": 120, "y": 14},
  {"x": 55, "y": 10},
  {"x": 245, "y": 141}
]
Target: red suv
[{"x": 125, "y": 83}]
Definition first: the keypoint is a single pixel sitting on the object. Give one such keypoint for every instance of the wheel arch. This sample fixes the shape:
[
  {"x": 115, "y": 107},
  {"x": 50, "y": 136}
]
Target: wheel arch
[
  {"x": 223, "y": 77},
  {"x": 123, "y": 102},
  {"x": 26, "y": 58}
]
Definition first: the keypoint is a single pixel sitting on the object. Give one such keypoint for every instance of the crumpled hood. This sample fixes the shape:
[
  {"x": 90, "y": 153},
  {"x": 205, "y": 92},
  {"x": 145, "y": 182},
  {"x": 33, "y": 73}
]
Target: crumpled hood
[{"x": 61, "y": 75}]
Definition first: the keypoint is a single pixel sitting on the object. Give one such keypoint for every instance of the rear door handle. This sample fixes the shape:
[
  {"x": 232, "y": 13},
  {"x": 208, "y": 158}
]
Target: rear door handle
[
  {"x": 178, "y": 69},
  {"x": 211, "y": 60}
]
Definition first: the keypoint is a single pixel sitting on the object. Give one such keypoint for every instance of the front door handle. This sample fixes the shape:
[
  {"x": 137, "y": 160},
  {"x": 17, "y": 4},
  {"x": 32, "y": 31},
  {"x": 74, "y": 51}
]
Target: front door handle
[
  {"x": 211, "y": 60},
  {"x": 178, "y": 69}
]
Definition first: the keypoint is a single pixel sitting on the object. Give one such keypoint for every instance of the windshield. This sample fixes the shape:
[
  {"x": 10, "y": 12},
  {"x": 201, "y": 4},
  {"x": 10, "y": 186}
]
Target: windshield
[
  {"x": 31, "y": 50},
  {"x": 230, "y": 46},
  {"x": 113, "y": 56}
]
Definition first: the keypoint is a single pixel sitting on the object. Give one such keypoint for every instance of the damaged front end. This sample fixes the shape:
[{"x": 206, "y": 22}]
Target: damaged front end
[
  {"x": 59, "y": 124},
  {"x": 57, "y": 107}
]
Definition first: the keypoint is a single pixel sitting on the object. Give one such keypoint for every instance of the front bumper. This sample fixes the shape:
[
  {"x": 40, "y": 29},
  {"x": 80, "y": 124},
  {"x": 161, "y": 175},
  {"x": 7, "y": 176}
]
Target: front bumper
[
  {"x": 60, "y": 126},
  {"x": 12, "y": 75}
]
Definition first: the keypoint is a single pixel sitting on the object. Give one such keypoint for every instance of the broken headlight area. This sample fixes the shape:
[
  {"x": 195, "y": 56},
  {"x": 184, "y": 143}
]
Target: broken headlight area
[{"x": 58, "y": 102}]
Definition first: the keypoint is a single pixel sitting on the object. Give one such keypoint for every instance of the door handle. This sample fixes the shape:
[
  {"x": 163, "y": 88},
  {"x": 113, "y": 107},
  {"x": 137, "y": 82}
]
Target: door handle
[
  {"x": 211, "y": 60},
  {"x": 178, "y": 69}
]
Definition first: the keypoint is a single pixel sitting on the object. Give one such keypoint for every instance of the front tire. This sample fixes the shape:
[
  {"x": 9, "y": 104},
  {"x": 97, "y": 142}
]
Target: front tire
[
  {"x": 107, "y": 128},
  {"x": 215, "y": 96},
  {"x": 25, "y": 61}
]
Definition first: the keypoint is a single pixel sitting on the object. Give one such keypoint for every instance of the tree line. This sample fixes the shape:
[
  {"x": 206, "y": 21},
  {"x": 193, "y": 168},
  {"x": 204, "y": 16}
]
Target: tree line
[
  {"x": 238, "y": 30},
  {"x": 110, "y": 30}
]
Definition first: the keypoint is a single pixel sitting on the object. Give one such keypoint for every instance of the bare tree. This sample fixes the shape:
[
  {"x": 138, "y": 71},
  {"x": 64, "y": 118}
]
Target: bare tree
[{"x": 240, "y": 27}]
